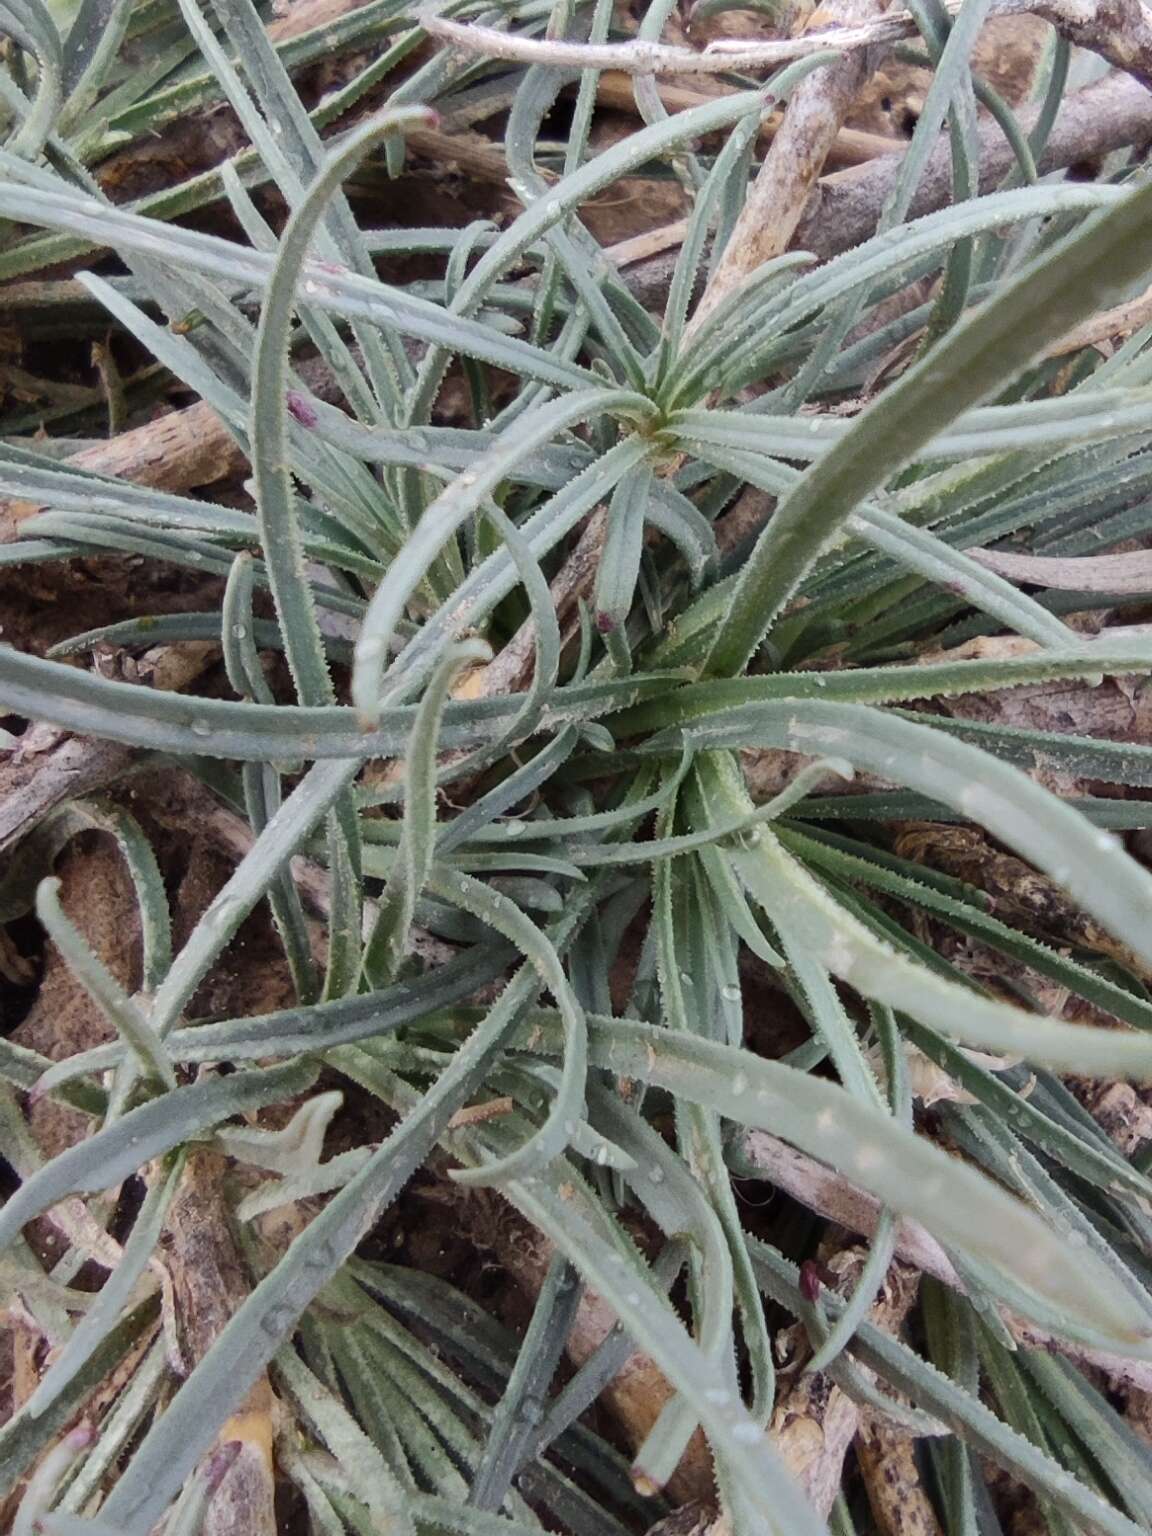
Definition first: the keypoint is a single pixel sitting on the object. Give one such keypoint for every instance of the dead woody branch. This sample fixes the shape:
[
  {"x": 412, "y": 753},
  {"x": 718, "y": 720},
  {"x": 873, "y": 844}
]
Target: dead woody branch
[{"x": 780, "y": 193}]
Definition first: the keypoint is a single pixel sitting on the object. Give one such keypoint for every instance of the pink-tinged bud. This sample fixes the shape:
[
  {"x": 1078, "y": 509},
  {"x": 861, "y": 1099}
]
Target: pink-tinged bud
[
  {"x": 810, "y": 1280},
  {"x": 301, "y": 409},
  {"x": 605, "y": 624}
]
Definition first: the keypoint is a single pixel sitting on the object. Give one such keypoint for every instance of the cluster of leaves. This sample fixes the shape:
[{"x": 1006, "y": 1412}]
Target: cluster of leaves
[{"x": 611, "y": 799}]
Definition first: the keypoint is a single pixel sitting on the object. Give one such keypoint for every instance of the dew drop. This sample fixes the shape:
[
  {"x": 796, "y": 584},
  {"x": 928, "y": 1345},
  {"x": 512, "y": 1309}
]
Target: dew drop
[
  {"x": 513, "y": 828},
  {"x": 201, "y": 727},
  {"x": 730, "y": 993},
  {"x": 240, "y": 631},
  {"x": 656, "y": 1175},
  {"x": 300, "y": 408}
]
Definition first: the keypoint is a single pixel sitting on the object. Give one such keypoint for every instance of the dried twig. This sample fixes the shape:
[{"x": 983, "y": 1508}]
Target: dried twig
[
  {"x": 50, "y": 767},
  {"x": 1128, "y": 572},
  {"x": 830, "y": 1194},
  {"x": 851, "y": 146},
  {"x": 644, "y": 58},
  {"x": 459, "y": 150},
  {"x": 1118, "y": 30},
  {"x": 779, "y": 195},
  {"x": 32, "y": 784},
  {"x": 175, "y": 452},
  {"x": 1114, "y": 114},
  {"x": 688, "y": 1520},
  {"x": 1107, "y": 326},
  {"x": 1103, "y": 331}
]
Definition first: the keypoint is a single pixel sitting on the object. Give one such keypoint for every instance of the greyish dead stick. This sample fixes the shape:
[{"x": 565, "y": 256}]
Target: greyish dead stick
[{"x": 803, "y": 142}]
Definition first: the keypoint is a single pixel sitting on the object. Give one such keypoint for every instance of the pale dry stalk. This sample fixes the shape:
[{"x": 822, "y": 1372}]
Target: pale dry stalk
[
  {"x": 1118, "y": 30},
  {"x": 640, "y": 57},
  {"x": 1106, "y": 327},
  {"x": 778, "y": 197},
  {"x": 852, "y": 146}
]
